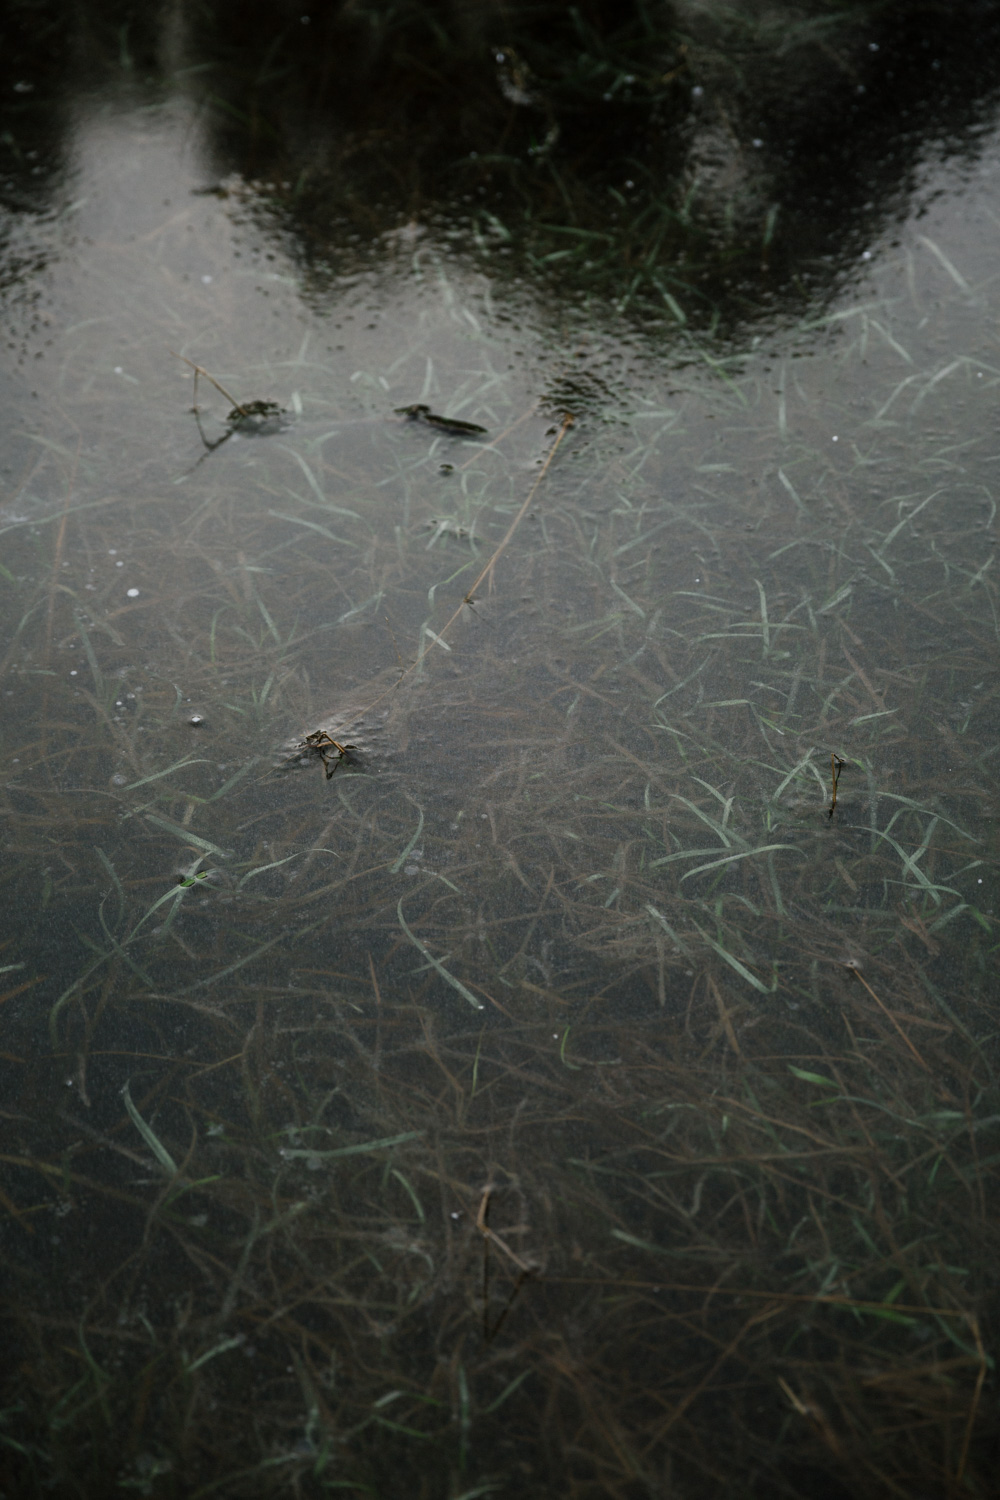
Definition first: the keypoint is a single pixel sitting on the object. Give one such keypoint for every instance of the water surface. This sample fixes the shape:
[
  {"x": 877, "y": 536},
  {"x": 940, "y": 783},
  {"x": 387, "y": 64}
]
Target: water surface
[{"x": 555, "y": 1092}]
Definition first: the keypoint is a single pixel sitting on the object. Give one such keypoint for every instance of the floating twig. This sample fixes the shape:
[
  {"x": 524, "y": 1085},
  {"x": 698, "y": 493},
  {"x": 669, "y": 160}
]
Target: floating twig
[
  {"x": 469, "y": 599},
  {"x": 323, "y": 743},
  {"x": 567, "y": 423}
]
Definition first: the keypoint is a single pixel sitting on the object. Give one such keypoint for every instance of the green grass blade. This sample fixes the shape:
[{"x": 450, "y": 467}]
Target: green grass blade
[
  {"x": 191, "y": 760},
  {"x": 395, "y": 869},
  {"x": 152, "y": 1140},
  {"x": 732, "y": 858},
  {"x": 456, "y": 984},
  {"x": 380, "y": 1145},
  {"x": 186, "y": 836}
]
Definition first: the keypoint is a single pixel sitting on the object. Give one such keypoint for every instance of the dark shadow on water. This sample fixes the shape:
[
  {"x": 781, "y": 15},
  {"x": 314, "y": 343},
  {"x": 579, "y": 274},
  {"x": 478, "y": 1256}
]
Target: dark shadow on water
[{"x": 684, "y": 162}]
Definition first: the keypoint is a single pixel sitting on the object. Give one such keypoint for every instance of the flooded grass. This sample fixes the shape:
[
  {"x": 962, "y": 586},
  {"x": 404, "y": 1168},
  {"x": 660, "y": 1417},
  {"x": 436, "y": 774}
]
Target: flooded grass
[
  {"x": 729, "y": 1220},
  {"x": 572, "y": 927},
  {"x": 501, "y": 906}
]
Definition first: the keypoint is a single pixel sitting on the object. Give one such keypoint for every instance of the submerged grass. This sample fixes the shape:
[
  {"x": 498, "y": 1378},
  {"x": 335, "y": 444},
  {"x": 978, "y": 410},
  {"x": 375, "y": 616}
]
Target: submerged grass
[
  {"x": 751, "y": 1260},
  {"x": 575, "y": 938}
]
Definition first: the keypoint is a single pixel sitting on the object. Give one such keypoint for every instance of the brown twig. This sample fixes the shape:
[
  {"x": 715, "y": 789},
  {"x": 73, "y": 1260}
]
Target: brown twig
[
  {"x": 856, "y": 971},
  {"x": 498, "y": 439},
  {"x": 199, "y": 370},
  {"x": 567, "y": 423},
  {"x": 489, "y": 1234},
  {"x": 439, "y": 635},
  {"x": 54, "y": 584}
]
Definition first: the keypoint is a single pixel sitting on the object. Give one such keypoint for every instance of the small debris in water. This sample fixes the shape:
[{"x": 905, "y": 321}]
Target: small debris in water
[
  {"x": 258, "y": 418},
  {"x": 330, "y": 751},
  {"x": 450, "y": 425}
]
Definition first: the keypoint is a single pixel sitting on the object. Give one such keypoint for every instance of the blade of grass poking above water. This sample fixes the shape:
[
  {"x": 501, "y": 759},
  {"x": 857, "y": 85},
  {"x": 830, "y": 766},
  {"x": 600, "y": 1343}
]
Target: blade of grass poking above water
[{"x": 456, "y": 984}]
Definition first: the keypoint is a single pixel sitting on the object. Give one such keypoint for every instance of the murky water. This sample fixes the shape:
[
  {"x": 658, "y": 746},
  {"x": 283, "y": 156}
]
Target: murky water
[{"x": 501, "y": 930}]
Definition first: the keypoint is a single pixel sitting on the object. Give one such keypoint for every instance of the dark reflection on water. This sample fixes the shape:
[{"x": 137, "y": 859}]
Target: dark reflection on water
[
  {"x": 449, "y": 1032},
  {"x": 689, "y": 162}
]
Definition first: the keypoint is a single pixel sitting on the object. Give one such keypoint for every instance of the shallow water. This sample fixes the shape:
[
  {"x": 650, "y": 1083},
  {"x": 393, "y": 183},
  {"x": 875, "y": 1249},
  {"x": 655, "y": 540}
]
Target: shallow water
[{"x": 555, "y": 1092}]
